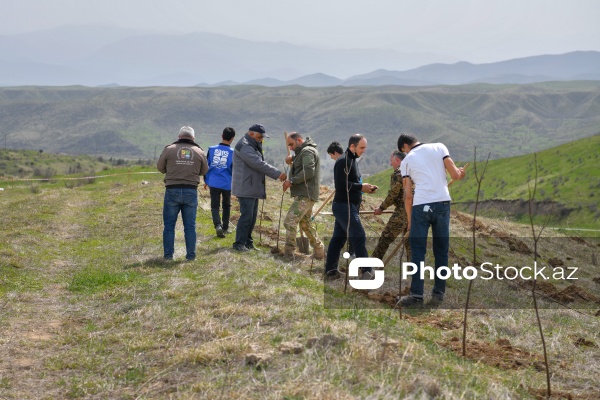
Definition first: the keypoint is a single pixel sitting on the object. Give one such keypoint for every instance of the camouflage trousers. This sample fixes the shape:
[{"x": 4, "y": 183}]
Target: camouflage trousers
[
  {"x": 395, "y": 226},
  {"x": 300, "y": 214}
]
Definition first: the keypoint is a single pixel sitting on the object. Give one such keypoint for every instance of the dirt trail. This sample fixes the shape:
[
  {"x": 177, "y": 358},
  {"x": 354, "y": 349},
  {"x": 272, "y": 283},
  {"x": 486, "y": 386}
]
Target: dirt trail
[{"x": 31, "y": 339}]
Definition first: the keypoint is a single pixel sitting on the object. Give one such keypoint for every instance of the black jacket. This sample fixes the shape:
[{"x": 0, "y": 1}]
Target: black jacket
[{"x": 347, "y": 179}]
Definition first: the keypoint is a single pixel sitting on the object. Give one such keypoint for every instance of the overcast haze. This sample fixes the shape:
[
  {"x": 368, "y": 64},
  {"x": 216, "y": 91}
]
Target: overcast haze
[{"x": 475, "y": 31}]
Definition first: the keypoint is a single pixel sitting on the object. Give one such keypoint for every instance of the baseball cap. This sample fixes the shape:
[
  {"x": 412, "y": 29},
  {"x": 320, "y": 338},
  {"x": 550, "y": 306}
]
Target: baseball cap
[{"x": 260, "y": 129}]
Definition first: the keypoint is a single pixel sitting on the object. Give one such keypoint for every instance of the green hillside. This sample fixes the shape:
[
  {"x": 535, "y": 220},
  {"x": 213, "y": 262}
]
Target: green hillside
[
  {"x": 568, "y": 186},
  {"x": 89, "y": 310},
  {"x": 123, "y": 122}
]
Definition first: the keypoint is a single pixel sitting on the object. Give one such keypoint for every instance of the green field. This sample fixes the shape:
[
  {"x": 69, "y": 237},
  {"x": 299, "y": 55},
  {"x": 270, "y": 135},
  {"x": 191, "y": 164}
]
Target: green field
[
  {"x": 88, "y": 310},
  {"x": 568, "y": 185}
]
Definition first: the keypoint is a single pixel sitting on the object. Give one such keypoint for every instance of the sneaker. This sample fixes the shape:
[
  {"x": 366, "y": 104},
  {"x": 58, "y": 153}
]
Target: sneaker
[
  {"x": 226, "y": 231},
  {"x": 367, "y": 276},
  {"x": 252, "y": 247},
  {"x": 332, "y": 275},
  {"x": 409, "y": 301},
  {"x": 240, "y": 248},
  {"x": 220, "y": 232}
]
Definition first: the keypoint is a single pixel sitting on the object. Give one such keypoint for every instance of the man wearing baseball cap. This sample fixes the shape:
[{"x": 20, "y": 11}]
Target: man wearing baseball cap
[{"x": 248, "y": 182}]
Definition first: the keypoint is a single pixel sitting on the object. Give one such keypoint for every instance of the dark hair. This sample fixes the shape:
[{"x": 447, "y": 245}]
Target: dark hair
[
  {"x": 295, "y": 135},
  {"x": 398, "y": 154},
  {"x": 335, "y": 147},
  {"x": 228, "y": 133},
  {"x": 406, "y": 138},
  {"x": 354, "y": 139}
]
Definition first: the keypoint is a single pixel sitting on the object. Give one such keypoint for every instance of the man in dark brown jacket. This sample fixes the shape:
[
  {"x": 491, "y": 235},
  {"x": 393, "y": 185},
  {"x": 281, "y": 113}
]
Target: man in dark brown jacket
[{"x": 182, "y": 162}]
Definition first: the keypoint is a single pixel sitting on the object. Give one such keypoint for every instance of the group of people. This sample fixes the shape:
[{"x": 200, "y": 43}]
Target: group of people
[{"x": 418, "y": 190}]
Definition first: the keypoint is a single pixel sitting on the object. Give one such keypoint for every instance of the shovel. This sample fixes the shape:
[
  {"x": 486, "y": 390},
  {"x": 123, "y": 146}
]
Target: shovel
[{"x": 302, "y": 243}]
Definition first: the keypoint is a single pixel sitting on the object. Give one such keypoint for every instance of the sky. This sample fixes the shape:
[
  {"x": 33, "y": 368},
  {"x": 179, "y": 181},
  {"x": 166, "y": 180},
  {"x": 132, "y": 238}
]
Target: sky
[{"x": 478, "y": 31}]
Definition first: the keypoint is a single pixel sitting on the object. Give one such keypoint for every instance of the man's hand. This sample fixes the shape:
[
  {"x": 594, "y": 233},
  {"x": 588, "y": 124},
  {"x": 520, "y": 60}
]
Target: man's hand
[
  {"x": 286, "y": 184},
  {"x": 368, "y": 188},
  {"x": 378, "y": 211},
  {"x": 282, "y": 177},
  {"x": 205, "y": 186},
  {"x": 289, "y": 159}
]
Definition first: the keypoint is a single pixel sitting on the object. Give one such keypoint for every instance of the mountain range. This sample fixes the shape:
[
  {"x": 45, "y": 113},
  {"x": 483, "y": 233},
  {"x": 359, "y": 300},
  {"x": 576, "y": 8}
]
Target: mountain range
[{"x": 110, "y": 56}]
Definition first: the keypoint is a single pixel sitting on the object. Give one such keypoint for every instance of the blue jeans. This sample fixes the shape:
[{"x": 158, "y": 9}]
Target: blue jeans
[
  {"x": 245, "y": 226},
  {"x": 186, "y": 201},
  {"x": 436, "y": 216},
  {"x": 215, "y": 205},
  {"x": 356, "y": 235}
]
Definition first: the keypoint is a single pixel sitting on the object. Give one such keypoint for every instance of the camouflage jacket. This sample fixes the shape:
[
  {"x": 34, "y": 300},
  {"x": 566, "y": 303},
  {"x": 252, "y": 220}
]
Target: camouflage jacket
[{"x": 395, "y": 195}]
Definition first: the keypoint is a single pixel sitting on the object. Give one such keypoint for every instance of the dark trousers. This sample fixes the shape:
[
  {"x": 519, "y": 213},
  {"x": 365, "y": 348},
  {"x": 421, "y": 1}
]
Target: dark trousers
[
  {"x": 356, "y": 234},
  {"x": 215, "y": 206},
  {"x": 245, "y": 226}
]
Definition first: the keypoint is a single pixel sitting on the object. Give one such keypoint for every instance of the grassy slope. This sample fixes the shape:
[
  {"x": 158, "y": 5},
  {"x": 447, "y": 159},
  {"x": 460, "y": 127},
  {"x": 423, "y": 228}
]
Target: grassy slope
[
  {"x": 88, "y": 310},
  {"x": 567, "y": 174},
  {"x": 137, "y": 122}
]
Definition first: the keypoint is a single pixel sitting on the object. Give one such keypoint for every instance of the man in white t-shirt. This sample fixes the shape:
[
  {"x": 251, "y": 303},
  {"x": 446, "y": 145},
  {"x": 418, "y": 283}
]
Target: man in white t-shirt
[{"x": 425, "y": 165}]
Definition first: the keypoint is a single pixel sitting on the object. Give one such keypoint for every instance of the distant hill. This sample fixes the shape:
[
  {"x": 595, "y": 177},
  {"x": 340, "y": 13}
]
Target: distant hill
[
  {"x": 97, "y": 55},
  {"x": 578, "y": 65},
  {"x": 129, "y": 122},
  {"x": 568, "y": 185}
]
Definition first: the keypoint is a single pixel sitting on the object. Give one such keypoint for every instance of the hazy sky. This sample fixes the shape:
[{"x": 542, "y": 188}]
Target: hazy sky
[{"x": 472, "y": 30}]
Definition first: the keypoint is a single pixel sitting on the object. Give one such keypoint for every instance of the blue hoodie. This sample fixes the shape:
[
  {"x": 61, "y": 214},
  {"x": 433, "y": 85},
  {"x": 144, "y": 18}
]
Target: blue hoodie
[{"x": 220, "y": 161}]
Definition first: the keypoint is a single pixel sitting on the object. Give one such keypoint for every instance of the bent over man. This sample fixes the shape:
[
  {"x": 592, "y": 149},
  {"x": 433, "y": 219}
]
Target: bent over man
[
  {"x": 182, "y": 162},
  {"x": 397, "y": 223},
  {"x": 426, "y": 165},
  {"x": 304, "y": 188}
]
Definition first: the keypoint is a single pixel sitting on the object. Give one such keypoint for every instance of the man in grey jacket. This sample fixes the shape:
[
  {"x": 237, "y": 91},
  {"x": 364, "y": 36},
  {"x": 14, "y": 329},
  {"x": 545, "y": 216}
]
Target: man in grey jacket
[
  {"x": 248, "y": 183},
  {"x": 182, "y": 162},
  {"x": 304, "y": 183}
]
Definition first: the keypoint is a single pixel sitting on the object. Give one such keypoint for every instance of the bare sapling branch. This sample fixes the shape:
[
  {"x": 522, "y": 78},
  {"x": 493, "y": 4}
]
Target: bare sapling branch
[{"x": 479, "y": 179}]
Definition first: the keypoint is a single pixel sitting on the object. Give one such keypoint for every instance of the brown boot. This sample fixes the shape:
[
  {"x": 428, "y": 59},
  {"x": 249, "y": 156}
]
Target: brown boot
[
  {"x": 288, "y": 252},
  {"x": 319, "y": 253}
]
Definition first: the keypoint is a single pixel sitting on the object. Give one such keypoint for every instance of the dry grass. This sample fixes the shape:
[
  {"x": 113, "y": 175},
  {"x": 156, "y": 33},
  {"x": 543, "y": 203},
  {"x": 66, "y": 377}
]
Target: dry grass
[{"x": 88, "y": 310}]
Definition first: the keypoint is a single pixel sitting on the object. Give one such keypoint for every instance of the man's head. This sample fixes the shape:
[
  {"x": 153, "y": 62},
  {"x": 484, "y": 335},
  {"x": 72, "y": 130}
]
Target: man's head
[
  {"x": 257, "y": 132},
  {"x": 357, "y": 144},
  {"x": 228, "y": 134},
  {"x": 294, "y": 141},
  {"x": 335, "y": 150},
  {"x": 186, "y": 132},
  {"x": 396, "y": 158},
  {"x": 406, "y": 140}
]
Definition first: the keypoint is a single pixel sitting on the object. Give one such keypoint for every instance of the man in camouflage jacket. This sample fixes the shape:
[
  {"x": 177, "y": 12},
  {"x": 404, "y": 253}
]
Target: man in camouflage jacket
[
  {"x": 397, "y": 223},
  {"x": 304, "y": 181}
]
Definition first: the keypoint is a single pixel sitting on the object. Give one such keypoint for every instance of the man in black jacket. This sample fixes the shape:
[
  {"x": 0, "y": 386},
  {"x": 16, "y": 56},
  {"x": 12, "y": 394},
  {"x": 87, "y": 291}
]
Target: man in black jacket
[{"x": 345, "y": 207}]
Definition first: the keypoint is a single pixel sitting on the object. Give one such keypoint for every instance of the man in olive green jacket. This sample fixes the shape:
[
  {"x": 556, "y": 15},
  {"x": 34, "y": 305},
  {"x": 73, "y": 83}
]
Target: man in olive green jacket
[{"x": 304, "y": 182}]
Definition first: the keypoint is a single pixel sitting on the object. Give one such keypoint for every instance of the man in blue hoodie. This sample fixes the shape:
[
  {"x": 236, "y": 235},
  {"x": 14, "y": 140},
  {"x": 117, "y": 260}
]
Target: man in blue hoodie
[{"x": 218, "y": 179}]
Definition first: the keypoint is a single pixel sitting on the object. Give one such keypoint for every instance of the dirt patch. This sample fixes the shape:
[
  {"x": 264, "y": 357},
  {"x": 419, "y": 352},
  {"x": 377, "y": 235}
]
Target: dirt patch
[
  {"x": 500, "y": 354},
  {"x": 582, "y": 342},
  {"x": 521, "y": 207},
  {"x": 570, "y": 294}
]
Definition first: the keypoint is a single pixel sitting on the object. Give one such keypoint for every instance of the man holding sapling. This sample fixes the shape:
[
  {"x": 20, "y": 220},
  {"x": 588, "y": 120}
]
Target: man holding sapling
[{"x": 425, "y": 165}]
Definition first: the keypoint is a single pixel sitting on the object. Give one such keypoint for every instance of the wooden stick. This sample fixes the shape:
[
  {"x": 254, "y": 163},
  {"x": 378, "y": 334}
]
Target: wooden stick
[
  {"x": 323, "y": 205},
  {"x": 388, "y": 259},
  {"x": 360, "y": 212},
  {"x": 286, "y": 146}
]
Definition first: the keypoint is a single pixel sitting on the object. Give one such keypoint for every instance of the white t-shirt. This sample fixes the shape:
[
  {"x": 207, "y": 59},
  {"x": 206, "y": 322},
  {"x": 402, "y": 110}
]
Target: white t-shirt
[{"x": 424, "y": 164}]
